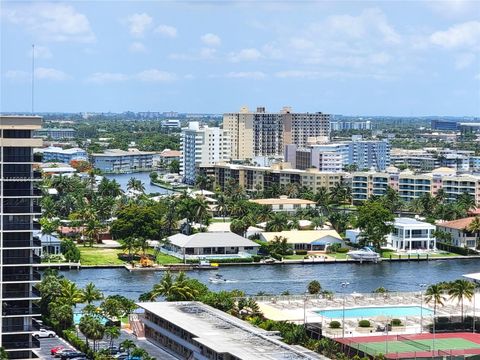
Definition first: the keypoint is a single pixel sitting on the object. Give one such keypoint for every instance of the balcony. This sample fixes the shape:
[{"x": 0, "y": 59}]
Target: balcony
[
  {"x": 35, "y": 276},
  {"x": 18, "y": 159},
  {"x": 35, "y": 242},
  {"x": 16, "y": 311},
  {"x": 22, "y": 192},
  {"x": 16, "y": 345},
  {"x": 19, "y": 294},
  {"x": 20, "y": 260},
  {"x": 20, "y": 328},
  {"x": 34, "y": 209},
  {"x": 21, "y": 226}
]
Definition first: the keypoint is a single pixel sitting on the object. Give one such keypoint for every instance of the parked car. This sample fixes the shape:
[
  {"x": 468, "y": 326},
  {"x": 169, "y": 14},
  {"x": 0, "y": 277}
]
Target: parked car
[
  {"x": 63, "y": 351},
  {"x": 44, "y": 333},
  {"x": 72, "y": 355},
  {"x": 113, "y": 350},
  {"x": 55, "y": 349}
]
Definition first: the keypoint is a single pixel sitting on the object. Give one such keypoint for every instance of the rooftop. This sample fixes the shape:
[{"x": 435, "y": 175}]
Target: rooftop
[
  {"x": 119, "y": 152},
  {"x": 210, "y": 239},
  {"x": 410, "y": 222},
  {"x": 55, "y": 149},
  {"x": 224, "y": 333},
  {"x": 170, "y": 153},
  {"x": 459, "y": 224},
  {"x": 282, "y": 201},
  {"x": 303, "y": 236}
]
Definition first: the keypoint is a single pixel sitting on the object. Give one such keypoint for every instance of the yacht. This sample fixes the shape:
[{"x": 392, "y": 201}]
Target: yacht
[{"x": 364, "y": 254}]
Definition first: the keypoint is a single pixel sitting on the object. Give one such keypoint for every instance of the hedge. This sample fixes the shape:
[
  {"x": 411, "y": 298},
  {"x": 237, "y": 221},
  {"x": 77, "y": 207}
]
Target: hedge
[
  {"x": 455, "y": 249},
  {"x": 301, "y": 252},
  {"x": 396, "y": 322},
  {"x": 78, "y": 343},
  {"x": 335, "y": 324},
  {"x": 343, "y": 250},
  {"x": 364, "y": 323}
]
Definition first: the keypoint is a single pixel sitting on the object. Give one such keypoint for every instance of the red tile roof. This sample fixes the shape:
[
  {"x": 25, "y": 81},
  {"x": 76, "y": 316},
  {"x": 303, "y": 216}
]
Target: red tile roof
[{"x": 459, "y": 224}]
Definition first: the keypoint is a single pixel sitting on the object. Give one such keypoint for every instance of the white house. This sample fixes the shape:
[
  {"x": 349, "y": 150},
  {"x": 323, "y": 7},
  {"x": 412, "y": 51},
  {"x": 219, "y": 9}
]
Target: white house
[
  {"x": 457, "y": 229},
  {"x": 411, "y": 234},
  {"x": 50, "y": 244},
  {"x": 210, "y": 245},
  {"x": 310, "y": 240}
]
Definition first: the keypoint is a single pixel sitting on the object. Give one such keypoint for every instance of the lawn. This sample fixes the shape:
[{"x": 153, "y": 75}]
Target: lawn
[
  {"x": 294, "y": 257},
  {"x": 338, "y": 255},
  {"x": 103, "y": 256},
  {"x": 386, "y": 254}
]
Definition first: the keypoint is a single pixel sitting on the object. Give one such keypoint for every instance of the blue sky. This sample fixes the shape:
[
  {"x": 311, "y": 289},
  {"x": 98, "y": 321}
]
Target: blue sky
[{"x": 341, "y": 57}]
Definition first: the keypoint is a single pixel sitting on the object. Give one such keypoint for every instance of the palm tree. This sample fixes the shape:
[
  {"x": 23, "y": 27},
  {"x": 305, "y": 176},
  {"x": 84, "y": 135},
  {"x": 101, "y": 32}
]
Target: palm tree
[
  {"x": 278, "y": 222},
  {"x": 70, "y": 294},
  {"x": 435, "y": 293},
  {"x": 164, "y": 287},
  {"x": 49, "y": 226},
  {"x": 143, "y": 245},
  {"x": 135, "y": 184},
  {"x": 221, "y": 206},
  {"x": 318, "y": 222},
  {"x": 48, "y": 207},
  {"x": 91, "y": 293},
  {"x": 128, "y": 345},
  {"x": 474, "y": 227},
  {"x": 460, "y": 290},
  {"x": 113, "y": 332},
  {"x": 129, "y": 245},
  {"x": 467, "y": 201}
]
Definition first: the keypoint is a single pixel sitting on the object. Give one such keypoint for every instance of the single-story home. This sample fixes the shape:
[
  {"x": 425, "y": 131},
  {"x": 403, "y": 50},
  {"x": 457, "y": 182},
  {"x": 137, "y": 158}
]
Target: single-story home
[
  {"x": 457, "y": 229},
  {"x": 285, "y": 204},
  {"x": 310, "y": 240},
  {"x": 50, "y": 244},
  {"x": 209, "y": 245}
]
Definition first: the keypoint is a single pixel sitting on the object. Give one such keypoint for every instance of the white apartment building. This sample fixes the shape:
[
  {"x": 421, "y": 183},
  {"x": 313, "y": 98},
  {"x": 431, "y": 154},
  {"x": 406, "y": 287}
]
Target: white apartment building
[
  {"x": 410, "y": 234},
  {"x": 202, "y": 145},
  {"x": 461, "y": 237}
]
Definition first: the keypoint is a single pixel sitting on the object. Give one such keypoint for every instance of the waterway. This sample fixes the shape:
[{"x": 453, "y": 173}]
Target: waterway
[
  {"x": 274, "y": 279},
  {"x": 144, "y": 177}
]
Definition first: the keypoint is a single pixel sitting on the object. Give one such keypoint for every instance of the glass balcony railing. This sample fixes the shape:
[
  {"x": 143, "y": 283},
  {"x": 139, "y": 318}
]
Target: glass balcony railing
[
  {"x": 21, "y": 226},
  {"x": 21, "y": 243},
  {"x": 15, "y": 310},
  {"x": 22, "y": 192},
  {"x": 11, "y": 209},
  {"x": 20, "y": 294},
  {"x": 21, "y": 328},
  {"x": 15, "y": 345},
  {"x": 34, "y": 276}
]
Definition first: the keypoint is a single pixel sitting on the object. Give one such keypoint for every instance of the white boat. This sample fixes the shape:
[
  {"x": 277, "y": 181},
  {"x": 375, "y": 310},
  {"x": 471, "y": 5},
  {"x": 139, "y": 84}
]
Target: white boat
[
  {"x": 217, "y": 279},
  {"x": 364, "y": 254}
]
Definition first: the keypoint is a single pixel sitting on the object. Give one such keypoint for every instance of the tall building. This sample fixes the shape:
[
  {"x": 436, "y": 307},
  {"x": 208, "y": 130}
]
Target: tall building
[
  {"x": 19, "y": 207},
  {"x": 202, "y": 146},
  {"x": 350, "y": 125},
  {"x": 445, "y": 125},
  {"x": 261, "y": 133},
  {"x": 366, "y": 154}
]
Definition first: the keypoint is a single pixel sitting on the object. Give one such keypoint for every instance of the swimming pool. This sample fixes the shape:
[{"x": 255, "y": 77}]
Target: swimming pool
[
  {"x": 387, "y": 311},
  {"x": 78, "y": 316}
]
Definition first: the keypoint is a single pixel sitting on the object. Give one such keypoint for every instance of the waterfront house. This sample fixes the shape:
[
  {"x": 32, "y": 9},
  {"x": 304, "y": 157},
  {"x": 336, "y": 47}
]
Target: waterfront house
[
  {"x": 310, "y": 240},
  {"x": 458, "y": 230},
  {"x": 285, "y": 204},
  {"x": 411, "y": 234},
  {"x": 210, "y": 245},
  {"x": 51, "y": 244}
]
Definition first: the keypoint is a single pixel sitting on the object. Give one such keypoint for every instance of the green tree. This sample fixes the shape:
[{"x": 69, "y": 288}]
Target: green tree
[
  {"x": 314, "y": 287},
  {"x": 460, "y": 290},
  {"x": 375, "y": 222},
  {"x": 474, "y": 227},
  {"x": 90, "y": 294},
  {"x": 279, "y": 222},
  {"x": 70, "y": 294},
  {"x": 174, "y": 167},
  {"x": 435, "y": 293},
  {"x": 136, "y": 185},
  {"x": 128, "y": 345},
  {"x": 112, "y": 332},
  {"x": 92, "y": 329}
]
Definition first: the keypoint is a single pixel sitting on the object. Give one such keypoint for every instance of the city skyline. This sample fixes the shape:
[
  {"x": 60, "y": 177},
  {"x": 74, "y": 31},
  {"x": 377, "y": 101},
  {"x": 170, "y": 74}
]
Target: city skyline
[{"x": 365, "y": 58}]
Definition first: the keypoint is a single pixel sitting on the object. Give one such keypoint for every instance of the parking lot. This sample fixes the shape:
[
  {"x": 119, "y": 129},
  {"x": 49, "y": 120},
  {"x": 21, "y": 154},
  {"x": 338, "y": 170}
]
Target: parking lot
[{"x": 48, "y": 343}]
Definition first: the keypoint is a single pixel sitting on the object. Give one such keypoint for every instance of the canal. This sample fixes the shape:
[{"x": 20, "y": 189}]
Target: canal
[
  {"x": 144, "y": 177},
  {"x": 274, "y": 279}
]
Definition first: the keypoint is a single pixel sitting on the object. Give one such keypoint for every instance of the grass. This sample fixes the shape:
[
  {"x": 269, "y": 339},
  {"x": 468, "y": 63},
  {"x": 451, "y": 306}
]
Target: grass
[
  {"x": 338, "y": 255},
  {"x": 106, "y": 256},
  {"x": 99, "y": 256},
  {"x": 294, "y": 257},
  {"x": 386, "y": 254}
]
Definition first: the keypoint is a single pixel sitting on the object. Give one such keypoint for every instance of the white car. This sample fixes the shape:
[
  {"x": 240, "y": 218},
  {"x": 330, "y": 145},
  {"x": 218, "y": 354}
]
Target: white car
[{"x": 44, "y": 333}]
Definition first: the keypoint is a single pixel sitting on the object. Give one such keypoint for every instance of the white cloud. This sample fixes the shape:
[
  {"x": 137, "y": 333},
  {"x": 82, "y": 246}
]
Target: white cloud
[
  {"x": 256, "y": 75},
  {"x": 211, "y": 39},
  {"x": 137, "y": 47},
  {"x": 155, "y": 75},
  {"x": 207, "y": 53},
  {"x": 166, "y": 31},
  {"x": 17, "y": 75},
  {"x": 51, "y": 21},
  {"x": 463, "y": 61},
  {"x": 460, "y": 35},
  {"x": 138, "y": 23},
  {"x": 102, "y": 78},
  {"x": 297, "y": 74},
  {"x": 246, "y": 55},
  {"x": 50, "y": 74},
  {"x": 301, "y": 43},
  {"x": 41, "y": 52}
]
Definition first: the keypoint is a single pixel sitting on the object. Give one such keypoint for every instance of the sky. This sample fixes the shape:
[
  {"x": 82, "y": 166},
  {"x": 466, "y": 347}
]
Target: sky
[{"x": 398, "y": 58}]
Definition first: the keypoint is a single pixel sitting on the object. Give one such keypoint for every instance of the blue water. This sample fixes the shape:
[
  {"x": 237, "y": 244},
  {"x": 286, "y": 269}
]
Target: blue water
[
  {"x": 387, "y": 311},
  {"x": 78, "y": 316},
  {"x": 144, "y": 177}
]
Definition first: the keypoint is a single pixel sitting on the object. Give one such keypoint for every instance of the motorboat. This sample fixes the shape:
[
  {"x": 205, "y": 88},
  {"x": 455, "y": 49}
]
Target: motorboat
[
  {"x": 217, "y": 279},
  {"x": 364, "y": 254}
]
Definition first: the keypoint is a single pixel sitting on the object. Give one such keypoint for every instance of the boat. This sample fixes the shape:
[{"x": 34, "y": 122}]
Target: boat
[
  {"x": 364, "y": 254},
  {"x": 217, "y": 279},
  {"x": 205, "y": 264}
]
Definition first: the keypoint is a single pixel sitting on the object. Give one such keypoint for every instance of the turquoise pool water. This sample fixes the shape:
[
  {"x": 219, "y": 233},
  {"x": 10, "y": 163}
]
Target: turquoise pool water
[
  {"x": 387, "y": 311},
  {"x": 78, "y": 316}
]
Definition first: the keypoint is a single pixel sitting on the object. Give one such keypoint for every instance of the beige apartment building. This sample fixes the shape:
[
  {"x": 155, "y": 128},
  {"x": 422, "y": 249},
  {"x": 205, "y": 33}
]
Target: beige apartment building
[
  {"x": 255, "y": 178},
  {"x": 261, "y": 133}
]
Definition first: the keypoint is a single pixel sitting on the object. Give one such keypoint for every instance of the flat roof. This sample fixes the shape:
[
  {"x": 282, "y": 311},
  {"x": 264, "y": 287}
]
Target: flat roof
[
  {"x": 224, "y": 333},
  {"x": 410, "y": 222},
  {"x": 210, "y": 239},
  {"x": 119, "y": 152},
  {"x": 282, "y": 201},
  {"x": 303, "y": 236}
]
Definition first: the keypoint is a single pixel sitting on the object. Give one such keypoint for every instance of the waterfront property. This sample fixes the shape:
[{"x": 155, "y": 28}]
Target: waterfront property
[
  {"x": 167, "y": 156},
  {"x": 193, "y": 330},
  {"x": 285, "y": 204},
  {"x": 51, "y": 244},
  {"x": 57, "y": 168},
  {"x": 58, "y": 154},
  {"x": 310, "y": 240},
  {"x": 458, "y": 230},
  {"x": 20, "y": 196},
  {"x": 210, "y": 245},
  {"x": 410, "y": 234},
  {"x": 119, "y": 161},
  {"x": 56, "y": 134}
]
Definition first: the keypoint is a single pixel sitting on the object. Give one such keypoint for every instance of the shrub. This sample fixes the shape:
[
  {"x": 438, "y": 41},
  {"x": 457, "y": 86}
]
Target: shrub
[
  {"x": 256, "y": 258},
  {"x": 78, "y": 343},
  {"x": 314, "y": 287},
  {"x": 364, "y": 323},
  {"x": 301, "y": 252},
  {"x": 343, "y": 250},
  {"x": 396, "y": 322},
  {"x": 334, "y": 324}
]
